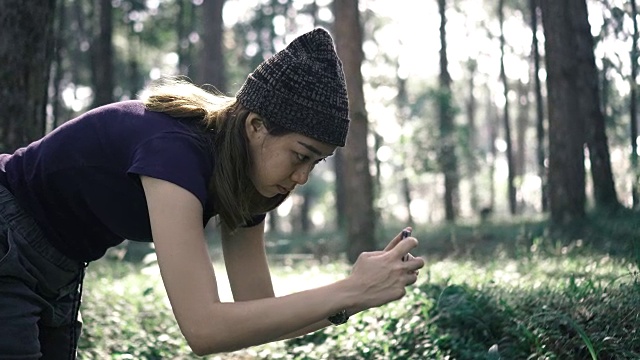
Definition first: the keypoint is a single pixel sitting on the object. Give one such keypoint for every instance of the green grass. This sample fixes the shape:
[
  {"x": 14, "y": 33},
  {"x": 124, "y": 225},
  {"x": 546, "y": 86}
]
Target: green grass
[{"x": 496, "y": 291}]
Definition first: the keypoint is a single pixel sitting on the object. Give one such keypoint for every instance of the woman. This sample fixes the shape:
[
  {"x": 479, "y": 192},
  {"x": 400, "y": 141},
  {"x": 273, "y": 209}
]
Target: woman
[{"x": 157, "y": 170}]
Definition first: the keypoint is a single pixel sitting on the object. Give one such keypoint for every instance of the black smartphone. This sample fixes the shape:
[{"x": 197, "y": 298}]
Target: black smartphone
[{"x": 405, "y": 234}]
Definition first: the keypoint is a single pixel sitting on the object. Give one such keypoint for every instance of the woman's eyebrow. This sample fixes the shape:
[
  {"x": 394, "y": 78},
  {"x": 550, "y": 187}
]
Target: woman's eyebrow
[{"x": 313, "y": 149}]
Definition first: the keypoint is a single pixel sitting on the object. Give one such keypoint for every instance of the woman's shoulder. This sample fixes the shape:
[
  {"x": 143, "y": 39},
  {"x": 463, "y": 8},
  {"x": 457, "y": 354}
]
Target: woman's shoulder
[{"x": 125, "y": 106}]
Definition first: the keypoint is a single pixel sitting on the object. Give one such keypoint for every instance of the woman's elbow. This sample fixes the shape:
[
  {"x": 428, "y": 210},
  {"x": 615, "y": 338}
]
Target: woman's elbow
[
  {"x": 196, "y": 344},
  {"x": 207, "y": 344}
]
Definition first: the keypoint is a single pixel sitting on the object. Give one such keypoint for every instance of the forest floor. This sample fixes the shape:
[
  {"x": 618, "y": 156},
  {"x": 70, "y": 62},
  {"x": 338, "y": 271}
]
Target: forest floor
[{"x": 497, "y": 290}]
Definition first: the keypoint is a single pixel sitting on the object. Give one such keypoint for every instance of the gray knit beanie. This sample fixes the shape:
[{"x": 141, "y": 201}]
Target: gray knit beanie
[{"x": 302, "y": 89}]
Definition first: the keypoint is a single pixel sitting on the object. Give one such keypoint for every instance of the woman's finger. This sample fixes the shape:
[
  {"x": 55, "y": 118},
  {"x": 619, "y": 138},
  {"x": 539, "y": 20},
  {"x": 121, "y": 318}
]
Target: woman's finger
[
  {"x": 411, "y": 279},
  {"x": 414, "y": 264},
  {"x": 396, "y": 240}
]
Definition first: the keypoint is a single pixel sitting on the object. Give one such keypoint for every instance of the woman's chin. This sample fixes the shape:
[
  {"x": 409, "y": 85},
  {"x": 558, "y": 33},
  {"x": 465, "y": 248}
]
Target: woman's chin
[{"x": 268, "y": 193}]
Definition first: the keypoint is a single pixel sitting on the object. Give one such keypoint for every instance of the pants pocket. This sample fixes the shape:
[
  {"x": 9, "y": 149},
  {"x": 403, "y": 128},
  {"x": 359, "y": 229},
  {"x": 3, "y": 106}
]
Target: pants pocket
[
  {"x": 10, "y": 265},
  {"x": 5, "y": 248}
]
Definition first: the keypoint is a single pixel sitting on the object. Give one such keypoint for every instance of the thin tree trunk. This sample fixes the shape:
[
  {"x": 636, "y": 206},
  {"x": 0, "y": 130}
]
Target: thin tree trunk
[
  {"x": 472, "y": 166},
  {"x": 359, "y": 187},
  {"x": 340, "y": 189},
  {"x": 493, "y": 121},
  {"x": 377, "y": 144},
  {"x": 522, "y": 124},
  {"x": 511, "y": 189},
  {"x": 56, "y": 65},
  {"x": 566, "y": 126},
  {"x": 274, "y": 222},
  {"x": 212, "y": 66},
  {"x": 447, "y": 157},
  {"x": 633, "y": 116},
  {"x": 183, "y": 37},
  {"x": 102, "y": 52},
  {"x": 403, "y": 112},
  {"x": 26, "y": 51},
  {"x": 136, "y": 79},
  {"x": 308, "y": 194},
  {"x": 540, "y": 135},
  {"x": 589, "y": 109}
]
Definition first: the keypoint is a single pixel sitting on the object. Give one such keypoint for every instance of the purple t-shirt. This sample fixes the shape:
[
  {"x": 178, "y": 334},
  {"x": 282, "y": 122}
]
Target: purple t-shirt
[{"x": 81, "y": 182}]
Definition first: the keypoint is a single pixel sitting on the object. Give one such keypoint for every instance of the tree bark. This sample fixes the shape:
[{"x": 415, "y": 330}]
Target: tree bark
[
  {"x": 472, "y": 165},
  {"x": 358, "y": 181},
  {"x": 26, "y": 51},
  {"x": 522, "y": 124},
  {"x": 102, "y": 53},
  {"x": 402, "y": 102},
  {"x": 340, "y": 189},
  {"x": 511, "y": 189},
  {"x": 633, "y": 116},
  {"x": 184, "y": 27},
  {"x": 589, "y": 109},
  {"x": 447, "y": 157},
  {"x": 540, "y": 133},
  {"x": 493, "y": 123},
  {"x": 56, "y": 65},
  {"x": 566, "y": 126},
  {"x": 135, "y": 78},
  {"x": 213, "y": 67}
]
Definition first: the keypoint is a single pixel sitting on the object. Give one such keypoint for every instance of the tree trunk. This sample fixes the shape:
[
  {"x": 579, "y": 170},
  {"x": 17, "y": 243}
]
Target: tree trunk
[
  {"x": 102, "y": 53},
  {"x": 472, "y": 165},
  {"x": 589, "y": 109},
  {"x": 447, "y": 157},
  {"x": 212, "y": 67},
  {"x": 540, "y": 135},
  {"x": 26, "y": 51},
  {"x": 493, "y": 121},
  {"x": 522, "y": 124},
  {"x": 340, "y": 189},
  {"x": 184, "y": 26},
  {"x": 135, "y": 78},
  {"x": 566, "y": 126},
  {"x": 402, "y": 102},
  {"x": 305, "y": 212},
  {"x": 377, "y": 144},
  {"x": 511, "y": 189},
  {"x": 56, "y": 65},
  {"x": 274, "y": 222},
  {"x": 358, "y": 181},
  {"x": 633, "y": 116}
]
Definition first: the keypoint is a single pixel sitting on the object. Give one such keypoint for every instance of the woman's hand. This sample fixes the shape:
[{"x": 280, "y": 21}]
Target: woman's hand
[{"x": 381, "y": 276}]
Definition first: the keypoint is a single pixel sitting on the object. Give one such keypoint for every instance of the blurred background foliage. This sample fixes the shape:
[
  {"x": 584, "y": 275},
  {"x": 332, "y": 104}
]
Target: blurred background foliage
[
  {"x": 109, "y": 50},
  {"x": 460, "y": 139}
]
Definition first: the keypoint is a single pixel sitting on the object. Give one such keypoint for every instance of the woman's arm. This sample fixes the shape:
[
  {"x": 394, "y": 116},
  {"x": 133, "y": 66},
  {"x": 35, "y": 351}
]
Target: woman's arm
[
  {"x": 246, "y": 262},
  {"x": 245, "y": 259},
  {"x": 211, "y": 326}
]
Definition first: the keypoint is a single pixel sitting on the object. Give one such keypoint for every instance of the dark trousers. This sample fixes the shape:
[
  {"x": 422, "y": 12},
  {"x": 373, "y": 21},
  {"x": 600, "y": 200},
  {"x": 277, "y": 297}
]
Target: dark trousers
[{"x": 40, "y": 290}]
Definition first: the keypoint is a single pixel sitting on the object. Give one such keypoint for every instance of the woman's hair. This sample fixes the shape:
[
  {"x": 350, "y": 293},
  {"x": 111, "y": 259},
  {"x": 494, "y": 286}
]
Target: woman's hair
[{"x": 222, "y": 118}]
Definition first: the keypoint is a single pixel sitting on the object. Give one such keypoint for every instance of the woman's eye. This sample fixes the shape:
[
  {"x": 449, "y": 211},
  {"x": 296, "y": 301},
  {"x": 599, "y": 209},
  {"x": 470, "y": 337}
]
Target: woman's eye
[{"x": 302, "y": 157}]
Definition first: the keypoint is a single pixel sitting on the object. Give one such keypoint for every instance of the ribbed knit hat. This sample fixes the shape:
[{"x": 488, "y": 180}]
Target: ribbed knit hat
[{"x": 302, "y": 89}]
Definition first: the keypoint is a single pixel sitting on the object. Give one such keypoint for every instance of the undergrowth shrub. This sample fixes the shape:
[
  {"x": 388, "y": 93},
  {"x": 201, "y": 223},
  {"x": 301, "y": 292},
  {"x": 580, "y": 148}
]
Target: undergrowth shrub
[{"x": 438, "y": 320}]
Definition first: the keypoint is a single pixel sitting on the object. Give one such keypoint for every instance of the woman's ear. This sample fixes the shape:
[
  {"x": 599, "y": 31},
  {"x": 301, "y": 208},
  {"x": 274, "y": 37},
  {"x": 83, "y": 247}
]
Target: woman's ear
[{"x": 254, "y": 126}]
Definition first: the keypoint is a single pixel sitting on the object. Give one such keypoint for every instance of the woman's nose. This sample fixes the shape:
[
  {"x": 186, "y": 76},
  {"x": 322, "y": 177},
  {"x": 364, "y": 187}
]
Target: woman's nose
[{"x": 301, "y": 175}]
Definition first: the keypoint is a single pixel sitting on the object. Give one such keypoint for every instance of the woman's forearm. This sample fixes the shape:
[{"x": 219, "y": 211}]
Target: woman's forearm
[
  {"x": 306, "y": 330},
  {"x": 233, "y": 326}
]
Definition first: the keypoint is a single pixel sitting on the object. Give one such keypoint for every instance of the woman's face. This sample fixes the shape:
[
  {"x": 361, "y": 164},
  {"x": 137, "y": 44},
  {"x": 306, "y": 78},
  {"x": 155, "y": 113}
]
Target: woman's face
[{"x": 280, "y": 163}]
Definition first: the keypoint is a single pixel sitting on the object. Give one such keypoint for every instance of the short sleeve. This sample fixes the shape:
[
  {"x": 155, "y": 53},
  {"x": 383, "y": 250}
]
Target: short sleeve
[{"x": 177, "y": 157}]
